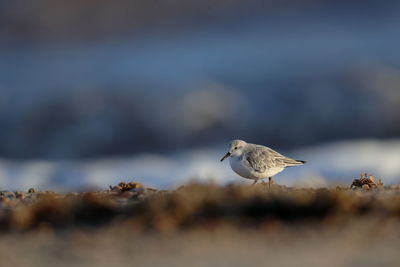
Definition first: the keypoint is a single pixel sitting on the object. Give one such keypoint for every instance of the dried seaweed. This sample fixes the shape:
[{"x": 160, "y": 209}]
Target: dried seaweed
[{"x": 367, "y": 182}]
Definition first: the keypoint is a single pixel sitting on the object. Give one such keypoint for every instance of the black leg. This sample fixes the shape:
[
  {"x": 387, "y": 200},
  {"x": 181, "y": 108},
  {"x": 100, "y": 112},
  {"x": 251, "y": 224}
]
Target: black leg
[
  {"x": 255, "y": 181},
  {"x": 269, "y": 182}
]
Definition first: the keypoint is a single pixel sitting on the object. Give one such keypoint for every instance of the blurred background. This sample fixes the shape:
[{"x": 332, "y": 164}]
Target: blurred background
[{"x": 97, "y": 92}]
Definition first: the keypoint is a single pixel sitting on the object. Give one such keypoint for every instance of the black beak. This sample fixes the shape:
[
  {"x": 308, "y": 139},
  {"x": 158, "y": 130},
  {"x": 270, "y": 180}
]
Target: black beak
[{"x": 226, "y": 156}]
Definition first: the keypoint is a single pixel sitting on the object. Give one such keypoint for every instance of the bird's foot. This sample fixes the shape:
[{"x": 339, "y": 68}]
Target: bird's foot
[{"x": 270, "y": 182}]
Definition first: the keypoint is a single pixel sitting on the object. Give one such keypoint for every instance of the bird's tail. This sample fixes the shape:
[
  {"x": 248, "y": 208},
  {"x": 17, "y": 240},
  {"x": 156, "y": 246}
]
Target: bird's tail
[{"x": 294, "y": 162}]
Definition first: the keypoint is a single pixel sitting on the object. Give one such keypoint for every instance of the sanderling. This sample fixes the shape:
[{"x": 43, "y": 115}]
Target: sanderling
[{"x": 257, "y": 162}]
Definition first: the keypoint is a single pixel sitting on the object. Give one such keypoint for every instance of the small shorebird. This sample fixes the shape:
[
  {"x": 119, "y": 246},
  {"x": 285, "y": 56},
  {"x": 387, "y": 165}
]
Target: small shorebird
[{"x": 257, "y": 162}]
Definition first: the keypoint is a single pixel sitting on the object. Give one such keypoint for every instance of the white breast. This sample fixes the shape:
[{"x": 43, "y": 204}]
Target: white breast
[
  {"x": 246, "y": 171},
  {"x": 240, "y": 168}
]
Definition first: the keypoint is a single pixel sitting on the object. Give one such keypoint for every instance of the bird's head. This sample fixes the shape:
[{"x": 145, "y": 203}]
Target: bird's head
[{"x": 235, "y": 149}]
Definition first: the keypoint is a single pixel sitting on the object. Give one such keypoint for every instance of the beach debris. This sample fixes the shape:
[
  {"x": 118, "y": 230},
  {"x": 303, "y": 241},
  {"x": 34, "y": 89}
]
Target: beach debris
[
  {"x": 131, "y": 186},
  {"x": 7, "y": 194},
  {"x": 20, "y": 195},
  {"x": 367, "y": 182}
]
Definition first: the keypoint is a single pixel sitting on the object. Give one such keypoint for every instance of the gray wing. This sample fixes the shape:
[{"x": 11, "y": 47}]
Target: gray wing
[{"x": 263, "y": 158}]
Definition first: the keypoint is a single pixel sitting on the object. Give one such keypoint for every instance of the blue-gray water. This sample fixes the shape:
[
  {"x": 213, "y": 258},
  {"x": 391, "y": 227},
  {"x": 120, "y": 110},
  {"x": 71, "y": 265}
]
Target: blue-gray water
[{"x": 292, "y": 78}]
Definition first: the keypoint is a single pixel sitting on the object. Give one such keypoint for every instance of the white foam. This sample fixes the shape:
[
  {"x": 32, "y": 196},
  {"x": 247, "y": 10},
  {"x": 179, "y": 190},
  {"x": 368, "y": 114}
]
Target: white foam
[{"x": 326, "y": 164}]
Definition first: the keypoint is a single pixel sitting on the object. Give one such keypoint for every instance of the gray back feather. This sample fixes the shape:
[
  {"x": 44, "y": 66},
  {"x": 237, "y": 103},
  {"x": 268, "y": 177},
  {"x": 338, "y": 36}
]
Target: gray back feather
[{"x": 261, "y": 158}]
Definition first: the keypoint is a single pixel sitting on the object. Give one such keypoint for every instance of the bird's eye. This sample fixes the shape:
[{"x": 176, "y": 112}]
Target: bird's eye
[{"x": 235, "y": 147}]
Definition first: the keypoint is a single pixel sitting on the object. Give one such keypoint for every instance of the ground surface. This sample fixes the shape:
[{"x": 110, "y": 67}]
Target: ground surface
[{"x": 202, "y": 225}]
